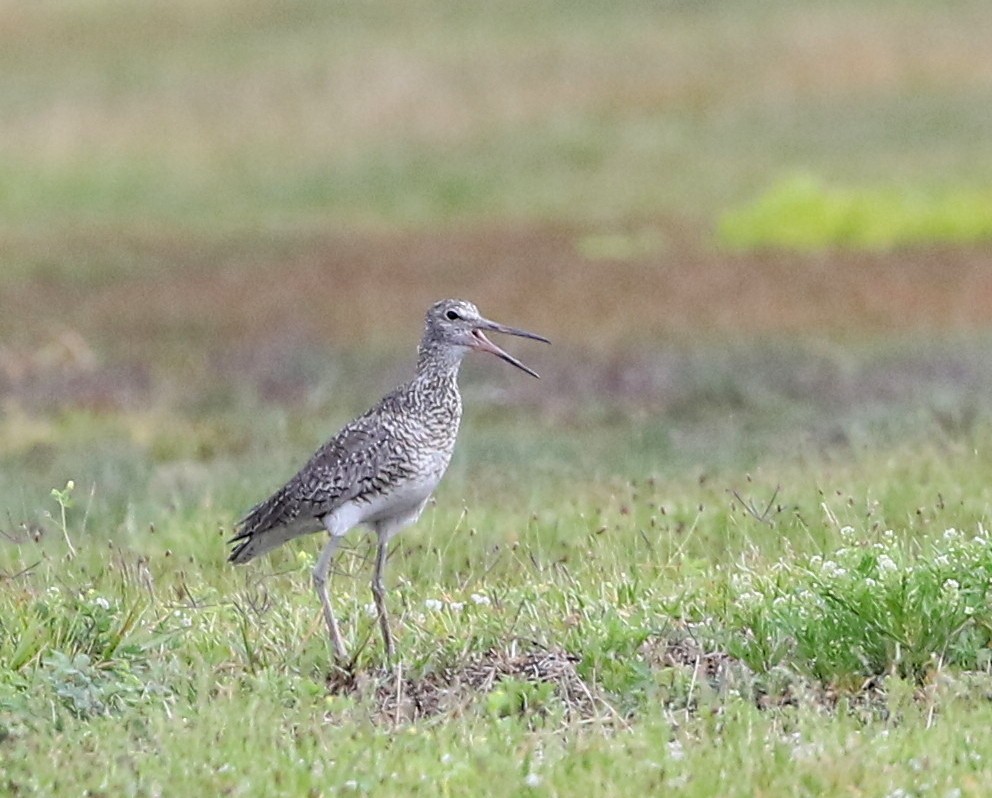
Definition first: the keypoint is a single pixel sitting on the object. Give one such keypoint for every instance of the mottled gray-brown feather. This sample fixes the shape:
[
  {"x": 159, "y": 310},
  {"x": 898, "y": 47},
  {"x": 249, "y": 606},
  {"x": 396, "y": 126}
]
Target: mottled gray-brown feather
[
  {"x": 342, "y": 469},
  {"x": 372, "y": 455}
]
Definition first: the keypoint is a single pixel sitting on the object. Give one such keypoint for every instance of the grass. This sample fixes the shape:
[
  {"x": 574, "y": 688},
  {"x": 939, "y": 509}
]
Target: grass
[
  {"x": 847, "y": 622},
  {"x": 638, "y": 605},
  {"x": 801, "y": 213},
  {"x": 222, "y": 118}
]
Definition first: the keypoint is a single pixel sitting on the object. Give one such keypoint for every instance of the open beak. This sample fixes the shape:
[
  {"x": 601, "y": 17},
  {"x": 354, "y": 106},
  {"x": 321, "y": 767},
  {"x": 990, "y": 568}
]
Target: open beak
[{"x": 483, "y": 344}]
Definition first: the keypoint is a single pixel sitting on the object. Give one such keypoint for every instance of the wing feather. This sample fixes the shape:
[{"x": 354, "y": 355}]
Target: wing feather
[{"x": 347, "y": 466}]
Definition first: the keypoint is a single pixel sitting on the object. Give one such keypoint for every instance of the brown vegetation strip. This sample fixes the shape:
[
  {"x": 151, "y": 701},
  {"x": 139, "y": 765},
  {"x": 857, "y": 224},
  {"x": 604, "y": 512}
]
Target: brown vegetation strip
[{"x": 349, "y": 290}]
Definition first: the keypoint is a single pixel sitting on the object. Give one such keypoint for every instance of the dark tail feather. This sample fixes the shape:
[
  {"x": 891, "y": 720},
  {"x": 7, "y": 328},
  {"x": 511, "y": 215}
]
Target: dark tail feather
[
  {"x": 267, "y": 526},
  {"x": 240, "y": 553}
]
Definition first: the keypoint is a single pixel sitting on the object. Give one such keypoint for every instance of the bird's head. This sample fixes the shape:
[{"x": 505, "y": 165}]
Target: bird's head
[{"x": 455, "y": 323}]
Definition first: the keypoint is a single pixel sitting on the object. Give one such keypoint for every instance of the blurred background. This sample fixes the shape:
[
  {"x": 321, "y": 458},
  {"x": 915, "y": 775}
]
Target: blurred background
[{"x": 752, "y": 229}]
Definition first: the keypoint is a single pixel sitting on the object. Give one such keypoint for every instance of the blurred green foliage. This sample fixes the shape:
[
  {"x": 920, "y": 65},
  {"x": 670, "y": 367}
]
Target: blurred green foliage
[{"x": 804, "y": 213}]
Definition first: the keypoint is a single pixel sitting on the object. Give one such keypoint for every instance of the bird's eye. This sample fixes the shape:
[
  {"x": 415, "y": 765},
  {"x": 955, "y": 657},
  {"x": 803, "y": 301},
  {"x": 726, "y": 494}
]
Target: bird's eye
[{"x": 452, "y": 315}]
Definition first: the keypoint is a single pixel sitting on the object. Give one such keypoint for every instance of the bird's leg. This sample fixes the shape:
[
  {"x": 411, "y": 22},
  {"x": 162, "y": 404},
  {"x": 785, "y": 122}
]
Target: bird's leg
[
  {"x": 320, "y": 571},
  {"x": 380, "y": 596}
]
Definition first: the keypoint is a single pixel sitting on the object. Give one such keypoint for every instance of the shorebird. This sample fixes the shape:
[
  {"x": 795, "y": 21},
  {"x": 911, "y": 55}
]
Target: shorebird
[{"x": 381, "y": 469}]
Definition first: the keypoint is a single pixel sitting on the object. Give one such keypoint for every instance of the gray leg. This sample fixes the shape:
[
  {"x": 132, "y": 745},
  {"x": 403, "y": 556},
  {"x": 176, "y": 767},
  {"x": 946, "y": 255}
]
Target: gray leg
[
  {"x": 380, "y": 596},
  {"x": 320, "y": 571}
]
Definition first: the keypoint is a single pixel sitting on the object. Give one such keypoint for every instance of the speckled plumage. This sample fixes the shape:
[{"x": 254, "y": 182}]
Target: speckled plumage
[
  {"x": 381, "y": 468},
  {"x": 407, "y": 436}
]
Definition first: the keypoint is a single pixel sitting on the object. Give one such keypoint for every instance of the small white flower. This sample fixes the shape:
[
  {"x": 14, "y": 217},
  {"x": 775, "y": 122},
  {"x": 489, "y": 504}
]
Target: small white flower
[
  {"x": 369, "y": 610},
  {"x": 101, "y": 602},
  {"x": 952, "y": 585},
  {"x": 350, "y": 784},
  {"x": 478, "y": 598},
  {"x": 446, "y": 759},
  {"x": 887, "y": 564},
  {"x": 950, "y": 534},
  {"x": 833, "y": 569},
  {"x": 433, "y": 604},
  {"x": 457, "y": 606},
  {"x": 532, "y": 780},
  {"x": 846, "y": 531},
  {"x": 675, "y": 750}
]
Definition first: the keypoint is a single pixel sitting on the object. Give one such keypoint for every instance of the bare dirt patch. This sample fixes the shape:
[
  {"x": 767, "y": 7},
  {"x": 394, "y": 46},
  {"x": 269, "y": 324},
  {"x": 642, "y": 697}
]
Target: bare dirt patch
[
  {"x": 689, "y": 677},
  {"x": 396, "y": 698}
]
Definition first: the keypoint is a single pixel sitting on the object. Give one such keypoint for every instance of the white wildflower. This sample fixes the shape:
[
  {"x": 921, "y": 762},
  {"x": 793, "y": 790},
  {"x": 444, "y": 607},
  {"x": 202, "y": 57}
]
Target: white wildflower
[
  {"x": 675, "y": 750},
  {"x": 446, "y": 759},
  {"x": 457, "y": 606},
  {"x": 478, "y": 598},
  {"x": 952, "y": 585},
  {"x": 887, "y": 564},
  {"x": 833, "y": 569},
  {"x": 532, "y": 780},
  {"x": 433, "y": 604},
  {"x": 369, "y": 610},
  {"x": 101, "y": 602},
  {"x": 950, "y": 534}
]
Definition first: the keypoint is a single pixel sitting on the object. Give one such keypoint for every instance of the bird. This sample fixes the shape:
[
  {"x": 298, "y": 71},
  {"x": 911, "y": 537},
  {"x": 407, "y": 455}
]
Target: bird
[{"x": 381, "y": 469}]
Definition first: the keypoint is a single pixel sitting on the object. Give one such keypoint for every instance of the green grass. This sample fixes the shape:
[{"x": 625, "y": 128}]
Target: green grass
[
  {"x": 216, "y": 117},
  {"x": 802, "y": 213},
  {"x": 807, "y": 623}
]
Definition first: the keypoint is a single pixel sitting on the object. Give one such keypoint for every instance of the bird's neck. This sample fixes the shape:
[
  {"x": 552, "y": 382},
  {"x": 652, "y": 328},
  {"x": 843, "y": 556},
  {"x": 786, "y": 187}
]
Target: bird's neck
[{"x": 439, "y": 362}]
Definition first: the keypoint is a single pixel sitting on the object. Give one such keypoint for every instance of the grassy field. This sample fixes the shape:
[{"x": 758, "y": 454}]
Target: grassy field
[{"x": 735, "y": 542}]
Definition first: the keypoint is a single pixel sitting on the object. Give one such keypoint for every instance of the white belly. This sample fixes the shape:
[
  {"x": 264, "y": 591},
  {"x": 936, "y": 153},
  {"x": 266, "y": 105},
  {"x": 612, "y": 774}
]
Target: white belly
[{"x": 401, "y": 505}]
